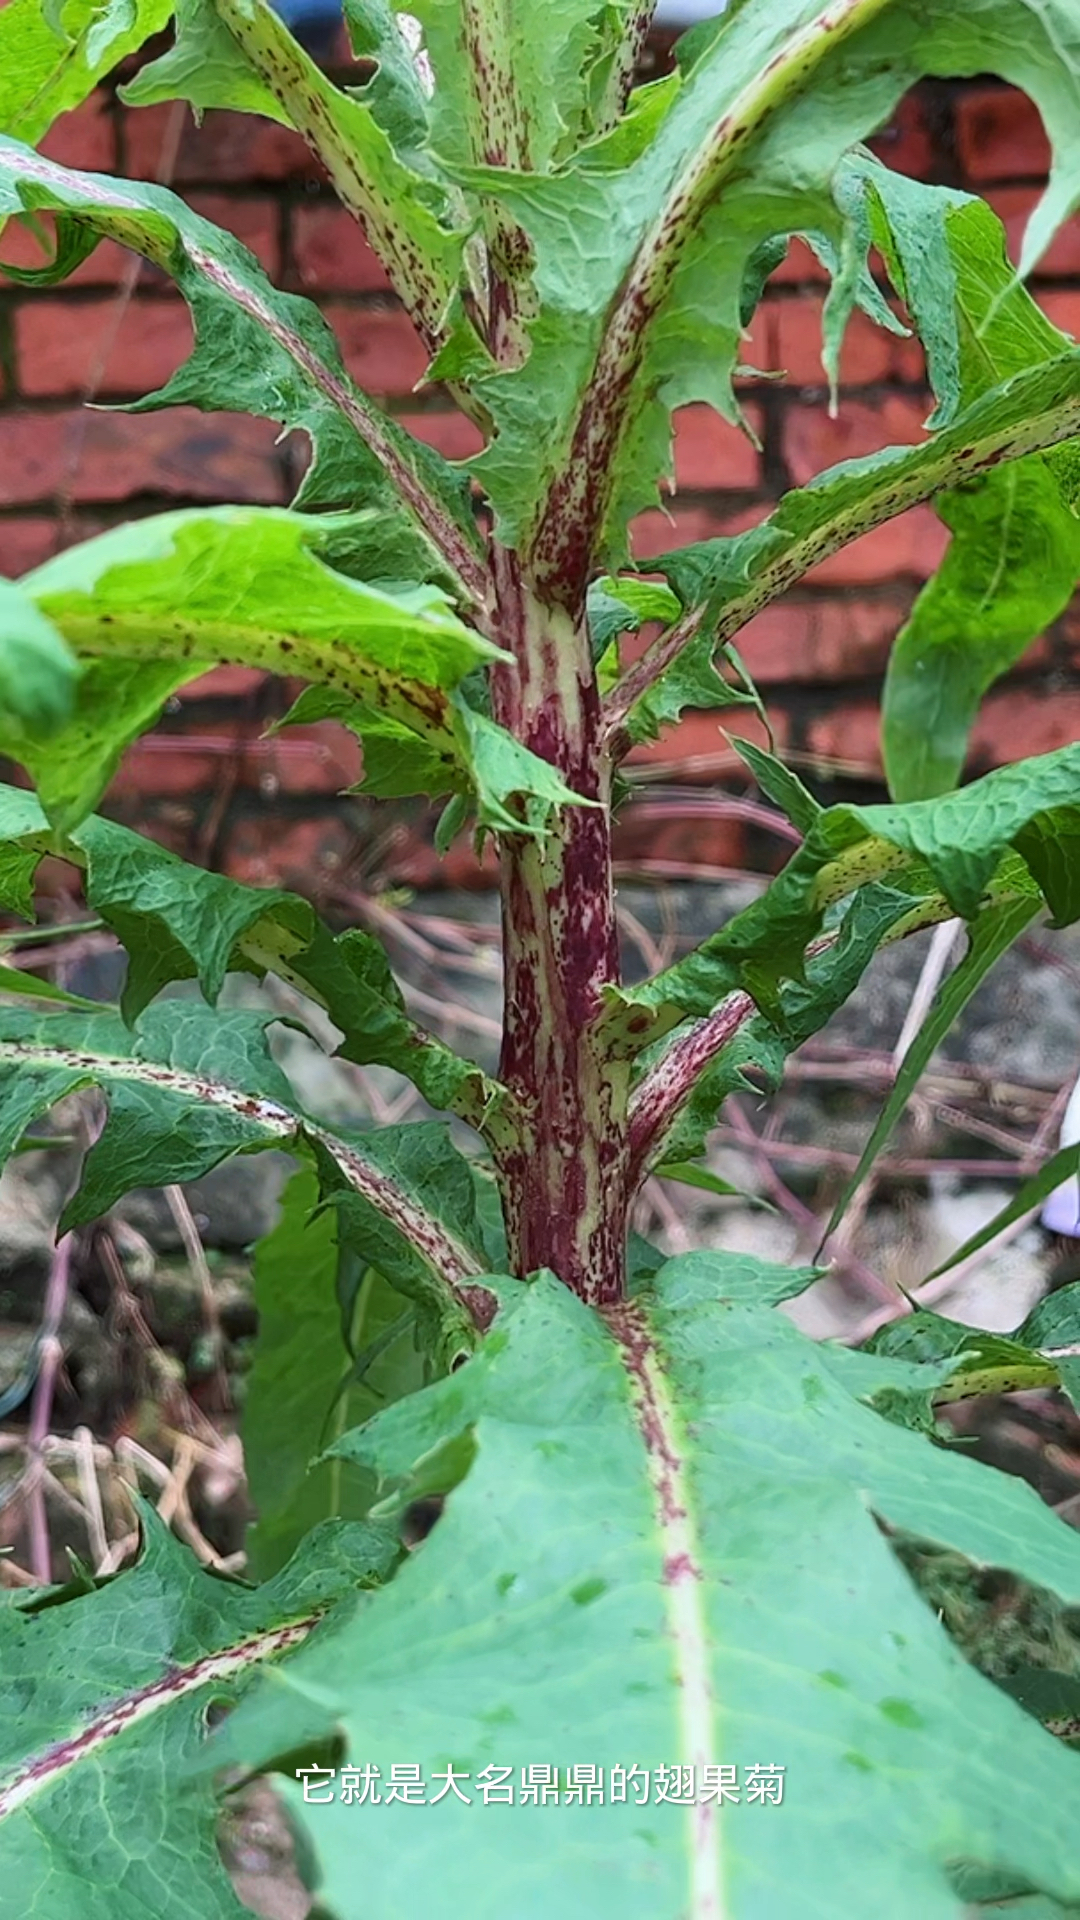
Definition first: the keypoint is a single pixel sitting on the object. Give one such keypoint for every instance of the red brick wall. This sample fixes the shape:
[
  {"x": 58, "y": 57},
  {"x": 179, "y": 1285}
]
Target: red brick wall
[{"x": 265, "y": 808}]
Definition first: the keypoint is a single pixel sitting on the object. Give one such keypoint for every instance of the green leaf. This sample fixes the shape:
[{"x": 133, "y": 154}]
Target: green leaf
[
  {"x": 954, "y": 843},
  {"x": 1029, "y": 1194},
  {"x": 772, "y": 98},
  {"x": 52, "y": 59},
  {"x": 271, "y": 354},
  {"x": 983, "y": 1362},
  {"x": 238, "y": 53},
  {"x": 151, "y": 604},
  {"x": 37, "y": 673},
  {"x": 188, "y": 1086},
  {"x": 106, "y": 1696},
  {"x": 991, "y": 935},
  {"x": 179, "y": 922},
  {"x": 739, "y": 1606},
  {"x": 300, "y": 1394}
]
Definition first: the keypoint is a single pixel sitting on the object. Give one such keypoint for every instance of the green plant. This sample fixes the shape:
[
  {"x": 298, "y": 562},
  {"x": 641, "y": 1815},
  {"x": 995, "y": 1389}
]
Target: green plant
[{"x": 670, "y": 1536}]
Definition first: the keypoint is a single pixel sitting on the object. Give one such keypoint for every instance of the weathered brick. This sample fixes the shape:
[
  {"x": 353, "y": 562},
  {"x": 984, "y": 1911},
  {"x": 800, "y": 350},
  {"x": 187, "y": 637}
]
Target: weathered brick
[
  {"x": 696, "y": 749},
  {"x": 99, "y": 348},
  {"x": 227, "y": 147},
  {"x": 907, "y": 144},
  {"x": 265, "y": 851},
  {"x": 111, "y": 457},
  {"x": 710, "y": 454},
  {"x": 1000, "y": 136},
  {"x": 846, "y": 739},
  {"x": 1014, "y": 722},
  {"x": 225, "y": 683},
  {"x": 800, "y": 264},
  {"x": 1062, "y": 306},
  {"x": 673, "y": 838},
  {"x": 379, "y": 347},
  {"x": 659, "y": 532},
  {"x": 330, "y": 253},
  {"x": 253, "y": 219},
  {"x": 813, "y": 442},
  {"x": 25, "y": 542},
  {"x": 455, "y": 437},
  {"x": 1014, "y": 207},
  {"x": 869, "y": 352},
  {"x": 84, "y": 138},
  {"x": 318, "y": 760},
  {"x": 823, "y": 638}
]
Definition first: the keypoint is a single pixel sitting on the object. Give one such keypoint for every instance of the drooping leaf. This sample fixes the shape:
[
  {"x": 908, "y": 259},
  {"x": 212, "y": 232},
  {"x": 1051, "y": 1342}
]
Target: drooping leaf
[
  {"x": 1028, "y": 1196},
  {"x": 299, "y": 1395},
  {"x": 188, "y": 1086},
  {"x": 51, "y": 59},
  {"x": 37, "y": 673},
  {"x": 179, "y": 922},
  {"x": 991, "y": 935},
  {"x": 955, "y": 844},
  {"x": 772, "y": 97},
  {"x": 240, "y": 54},
  {"x": 106, "y": 1696},
  {"x": 983, "y": 1362},
  {"x": 150, "y": 604},
  {"x": 268, "y": 353},
  {"x": 729, "y": 579},
  {"x": 738, "y": 1607}
]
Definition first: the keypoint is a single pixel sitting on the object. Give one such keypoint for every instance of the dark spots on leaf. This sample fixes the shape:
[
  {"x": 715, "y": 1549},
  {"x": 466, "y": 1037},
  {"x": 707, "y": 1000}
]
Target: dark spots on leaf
[
  {"x": 588, "y": 1590},
  {"x": 504, "y": 1582},
  {"x": 901, "y": 1713},
  {"x": 830, "y": 1678},
  {"x": 859, "y": 1761}
]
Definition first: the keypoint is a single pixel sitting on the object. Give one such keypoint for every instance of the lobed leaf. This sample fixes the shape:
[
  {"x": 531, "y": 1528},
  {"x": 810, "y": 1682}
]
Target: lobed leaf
[
  {"x": 51, "y": 58},
  {"x": 739, "y": 1606},
  {"x": 106, "y": 1697},
  {"x": 37, "y": 673}
]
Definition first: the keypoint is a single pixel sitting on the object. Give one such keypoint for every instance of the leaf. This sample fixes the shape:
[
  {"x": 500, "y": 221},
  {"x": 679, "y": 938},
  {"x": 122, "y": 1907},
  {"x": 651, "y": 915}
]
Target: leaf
[
  {"x": 955, "y": 843},
  {"x": 179, "y": 922},
  {"x": 738, "y": 1606},
  {"x": 643, "y": 312},
  {"x": 298, "y": 1395},
  {"x": 107, "y": 1693},
  {"x": 270, "y": 354},
  {"x": 187, "y": 1087},
  {"x": 151, "y": 604},
  {"x": 984, "y": 1362},
  {"x": 49, "y": 65},
  {"x": 991, "y": 935},
  {"x": 1029, "y": 1194},
  {"x": 727, "y": 580},
  {"x": 37, "y": 673},
  {"x": 687, "y": 1174},
  {"x": 235, "y": 53}
]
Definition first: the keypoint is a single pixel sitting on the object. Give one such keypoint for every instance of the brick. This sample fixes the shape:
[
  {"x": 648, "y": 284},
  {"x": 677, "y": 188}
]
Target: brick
[
  {"x": 84, "y": 138},
  {"x": 25, "y": 543},
  {"x": 711, "y": 454},
  {"x": 869, "y": 353},
  {"x": 847, "y": 739},
  {"x": 254, "y": 220},
  {"x": 1062, "y": 306},
  {"x": 677, "y": 837},
  {"x": 907, "y": 144},
  {"x": 227, "y": 147},
  {"x": 659, "y": 532},
  {"x": 799, "y": 265},
  {"x": 180, "y": 453},
  {"x": 451, "y": 434},
  {"x": 379, "y": 347},
  {"x": 823, "y": 638},
  {"x": 1014, "y": 207},
  {"x": 317, "y": 760},
  {"x": 105, "y": 266},
  {"x": 225, "y": 683},
  {"x": 910, "y": 547},
  {"x": 696, "y": 749},
  {"x": 999, "y": 136},
  {"x": 330, "y": 254},
  {"x": 1016, "y": 721},
  {"x": 813, "y": 442},
  {"x": 100, "y": 348},
  {"x": 265, "y": 851}
]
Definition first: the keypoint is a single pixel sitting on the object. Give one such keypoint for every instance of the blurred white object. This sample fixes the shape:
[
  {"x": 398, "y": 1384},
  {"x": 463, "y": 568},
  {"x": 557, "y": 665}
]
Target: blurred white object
[
  {"x": 684, "y": 13},
  {"x": 1061, "y": 1213}
]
